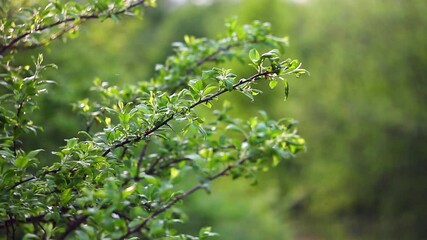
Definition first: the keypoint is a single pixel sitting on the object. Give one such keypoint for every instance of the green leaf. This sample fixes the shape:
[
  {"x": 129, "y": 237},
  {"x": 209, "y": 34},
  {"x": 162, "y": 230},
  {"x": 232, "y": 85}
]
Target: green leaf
[
  {"x": 228, "y": 84},
  {"x": 30, "y": 236},
  {"x": 209, "y": 74},
  {"x": 208, "y": 104},
  {"x": 206, "y": 232},
  {"x": 174, "y": 173},
  {"x": 82, "y": 235},
  {"x": 272, "y": 55},
  {"x": 294, "y": 64},
  {"x": 5, "y": 96},
  {"x": 89, "y": 230},
  {"x": 209, "y": 89},
  {"x": 34, "y": 153},
  {"x": 196, "y": 85},
  {"x": 272, "y": 83},
  {"x": 66, "y": 195},
  {"x": 189, "y": 39},
  {"x": 248, "y": 94},
  {"x": 21, "y": 161},
  {"x": 254, "y": 55},
  {"x": 195, "y": 157},
  {"x": 115, "y": 18},
  {"x": 276, "y": 161},
  {"x": 55, "y": 216},
  {"x": 128, "y": 191},
  {"x": 150, "y": 179},
  {"x": 286, "y": 89},
  {"x": 233, "y": 127},
  {"x": 201, "y": 130}
]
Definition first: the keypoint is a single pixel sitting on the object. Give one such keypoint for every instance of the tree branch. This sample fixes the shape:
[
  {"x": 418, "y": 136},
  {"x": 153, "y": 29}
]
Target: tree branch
[
  {"x": 181, "y": 197},
  {"x": 50, "y": 39},
  {"x": 31, "y": 219},
  {"x": 31, "y": 178},
  {"x": 164, "y": 123},
  {"x": 142, "y": 154},
  {"x": 141, "y": 157},
  {"x": 73, "y": 226},
  {"x": 212, "y": 55},
  {"x": 167, "y": 120},
  {"x": 172, "y": 162},
  {"x": 71, "y": 19},
  {"x": 151, "y": 170}
]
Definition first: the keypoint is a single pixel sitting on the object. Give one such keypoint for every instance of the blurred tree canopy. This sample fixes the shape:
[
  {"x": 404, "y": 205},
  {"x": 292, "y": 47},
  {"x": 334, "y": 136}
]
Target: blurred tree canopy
[{"x": 362, "y": 111}]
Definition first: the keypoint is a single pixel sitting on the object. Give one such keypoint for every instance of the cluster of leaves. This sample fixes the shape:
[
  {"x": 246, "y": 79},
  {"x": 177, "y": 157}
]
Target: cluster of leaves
[
  {"x": 122, "y": 177},
  {"x": 38, "y": 25}
]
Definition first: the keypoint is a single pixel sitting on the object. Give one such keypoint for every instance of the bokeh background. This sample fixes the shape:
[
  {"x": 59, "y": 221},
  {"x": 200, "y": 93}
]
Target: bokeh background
[{"x": 362, "y": 112}]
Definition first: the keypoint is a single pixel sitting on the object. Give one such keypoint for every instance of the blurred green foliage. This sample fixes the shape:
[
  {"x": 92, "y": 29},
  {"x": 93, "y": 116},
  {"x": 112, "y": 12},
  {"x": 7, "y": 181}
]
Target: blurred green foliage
[{"x": 362, "y": 112}]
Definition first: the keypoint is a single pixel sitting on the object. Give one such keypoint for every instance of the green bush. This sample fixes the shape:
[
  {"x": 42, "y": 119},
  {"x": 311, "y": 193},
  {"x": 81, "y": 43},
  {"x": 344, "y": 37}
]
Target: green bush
[{"x": 124, "y": 175}]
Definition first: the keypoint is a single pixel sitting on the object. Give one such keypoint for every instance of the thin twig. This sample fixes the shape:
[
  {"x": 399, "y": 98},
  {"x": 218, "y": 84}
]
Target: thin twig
[
  {"x": 32, "y": 178},
  {"x": 21, "y": 182},
  {"x": 52, "y": 38},
  {"x": 125, "y": 149},
  {"x": 151, "y": 170},
  {"x": 121, "y": 144},
  {"x": 173, "y": 161},
  {"x": 212, "y": 55},
  {"x": 142, "y": 154},
  {"x": 141, "y": 157},
  {"x": 15, "y": 128}
]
